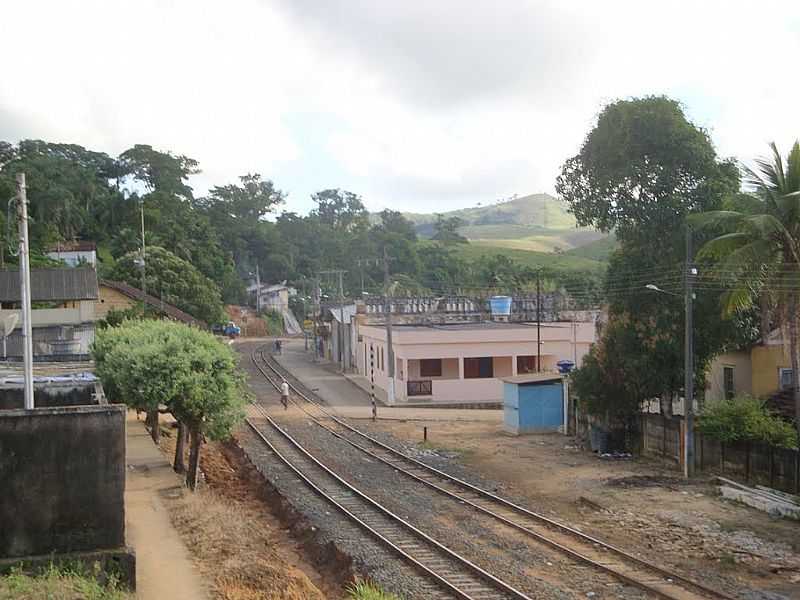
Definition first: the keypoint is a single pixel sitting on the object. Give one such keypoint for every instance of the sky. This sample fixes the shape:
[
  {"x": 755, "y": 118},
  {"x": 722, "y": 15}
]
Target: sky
[{"x": 416, "y": 105}]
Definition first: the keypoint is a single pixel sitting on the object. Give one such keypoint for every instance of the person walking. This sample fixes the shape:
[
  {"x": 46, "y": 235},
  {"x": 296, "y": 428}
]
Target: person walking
[{"x": 285, "y": 394}]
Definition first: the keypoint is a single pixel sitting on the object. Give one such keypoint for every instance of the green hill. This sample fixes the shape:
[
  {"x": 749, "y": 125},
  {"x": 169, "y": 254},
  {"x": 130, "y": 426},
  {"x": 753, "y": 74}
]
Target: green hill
[{"x": 537, "y": 222}]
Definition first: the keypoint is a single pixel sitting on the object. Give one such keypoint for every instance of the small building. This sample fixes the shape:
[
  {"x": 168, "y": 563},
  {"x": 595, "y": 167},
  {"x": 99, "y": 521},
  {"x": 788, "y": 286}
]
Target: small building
[
  {"x": 75, "y": 253},
  {"x": 272, "y": 297},
  {"x": 465, "y": 362},
  {"x": 63, "y": 316},
  {"x": 118, "y": 295},
  {"x": 534, "y": 403}
]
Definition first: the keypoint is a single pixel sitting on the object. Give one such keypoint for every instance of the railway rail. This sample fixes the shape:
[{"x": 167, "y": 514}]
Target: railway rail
[
  {"x": 575, "y": 544},
  {"x": 448, "y": 574}
]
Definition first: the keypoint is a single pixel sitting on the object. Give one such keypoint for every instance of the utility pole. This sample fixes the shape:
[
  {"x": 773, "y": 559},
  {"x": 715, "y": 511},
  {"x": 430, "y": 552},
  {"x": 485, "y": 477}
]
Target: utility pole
[
  {"x": 144, "y": 259},
  {"x": 25, "y": 288},
  {"x": 258, "y": 290},
  {"x": 341, "y": 320},
  {"x": 315, "y": 309},
  {"x": 372, "y": 382},
  {"x": 688, "y": 403},
  {"x": 387, "y": 309},
  {"x": 538, "y": 321}
]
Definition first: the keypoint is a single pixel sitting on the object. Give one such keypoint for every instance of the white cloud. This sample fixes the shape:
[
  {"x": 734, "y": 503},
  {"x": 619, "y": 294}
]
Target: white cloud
[{"x": 417, "y": 105}]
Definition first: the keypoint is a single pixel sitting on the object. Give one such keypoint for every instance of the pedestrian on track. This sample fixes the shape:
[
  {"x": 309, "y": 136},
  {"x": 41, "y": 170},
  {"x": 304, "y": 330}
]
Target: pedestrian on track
[{"x": 285, "y": 394}]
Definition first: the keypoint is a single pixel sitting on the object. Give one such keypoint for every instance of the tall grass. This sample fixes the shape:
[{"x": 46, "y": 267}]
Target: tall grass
[
  {"x": 59, "y": 584},
  {"x": 363, "y": 590}
]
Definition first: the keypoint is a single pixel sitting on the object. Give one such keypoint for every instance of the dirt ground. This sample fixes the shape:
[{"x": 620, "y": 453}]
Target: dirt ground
[
  {"x": 641, "y": 505},
  {"x": 238, "y": 543}
]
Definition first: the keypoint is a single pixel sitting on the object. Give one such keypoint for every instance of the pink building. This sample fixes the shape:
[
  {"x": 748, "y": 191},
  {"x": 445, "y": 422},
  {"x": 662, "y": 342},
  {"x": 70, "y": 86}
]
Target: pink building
[{"x": 465, "y": 362}]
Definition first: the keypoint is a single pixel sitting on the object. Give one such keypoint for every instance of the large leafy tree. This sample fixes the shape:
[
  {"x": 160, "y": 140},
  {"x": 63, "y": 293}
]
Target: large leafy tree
[
  {"x": 640, "y": 171},
  {"x": 150, "y": 364},
  {"x": 758, "y": 254},
  {"x": 177, "y": 280}
]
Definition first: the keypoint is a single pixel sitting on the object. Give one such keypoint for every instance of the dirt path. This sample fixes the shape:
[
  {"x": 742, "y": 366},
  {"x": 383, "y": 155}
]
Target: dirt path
[
  {"x": 640, "y": 504},
  {"x": 237, "y": 542},
  {"x": 164, "y": 568}
]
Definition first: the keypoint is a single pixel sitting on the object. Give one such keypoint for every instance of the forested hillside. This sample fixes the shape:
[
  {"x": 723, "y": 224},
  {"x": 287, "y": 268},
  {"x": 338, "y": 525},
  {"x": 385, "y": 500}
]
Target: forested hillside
[{"x": 213, "y": 243}]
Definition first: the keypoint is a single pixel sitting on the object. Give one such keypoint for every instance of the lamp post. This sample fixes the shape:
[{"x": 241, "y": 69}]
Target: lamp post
[{"x": 688, "y": 403}]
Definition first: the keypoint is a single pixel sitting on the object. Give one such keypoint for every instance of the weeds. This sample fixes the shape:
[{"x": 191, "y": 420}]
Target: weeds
[
  {"x": 59, "y": 584},
  {"x": 362, "y": 590}
]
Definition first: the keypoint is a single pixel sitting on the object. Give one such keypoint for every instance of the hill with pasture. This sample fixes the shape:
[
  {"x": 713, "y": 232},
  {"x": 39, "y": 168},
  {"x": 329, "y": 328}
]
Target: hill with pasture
[{"x": 533, "y": 223}]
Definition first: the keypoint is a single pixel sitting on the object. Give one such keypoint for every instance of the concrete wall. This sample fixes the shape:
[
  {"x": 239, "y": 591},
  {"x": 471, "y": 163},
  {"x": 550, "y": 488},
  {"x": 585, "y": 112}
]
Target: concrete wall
[
  {"x": 47, "y": 395},
  {"x": 63, "y": 480},
  {"x": 767, "y": 362},
  {"x": 110, "y": 299},
  {"x": 742, "y": 375}
]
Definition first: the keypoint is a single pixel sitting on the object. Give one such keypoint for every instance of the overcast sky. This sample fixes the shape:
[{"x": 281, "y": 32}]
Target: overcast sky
[{"x": 415, "y": 105}]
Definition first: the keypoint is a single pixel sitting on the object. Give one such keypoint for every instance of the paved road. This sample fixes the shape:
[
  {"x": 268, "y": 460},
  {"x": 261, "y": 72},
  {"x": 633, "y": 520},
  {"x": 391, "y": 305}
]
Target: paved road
[{"x": 323, "y": 378}]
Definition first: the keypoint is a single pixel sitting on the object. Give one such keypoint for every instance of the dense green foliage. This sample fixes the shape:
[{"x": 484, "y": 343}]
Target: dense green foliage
[
  {"x": 175, "y": 280},
  {"x": 640, "y": 172},
  {"x": 77, "y": 193},
  {"x": 757, "y": 254},
  {"x": 59, "y": 584},
  {"x": 745, "y": 418},
  {"x": 151, "y": 363}
]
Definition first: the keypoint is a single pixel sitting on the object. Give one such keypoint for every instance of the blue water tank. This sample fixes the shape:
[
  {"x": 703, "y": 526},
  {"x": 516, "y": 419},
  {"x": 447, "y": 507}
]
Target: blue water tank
[{"x": 500, "y": 306}]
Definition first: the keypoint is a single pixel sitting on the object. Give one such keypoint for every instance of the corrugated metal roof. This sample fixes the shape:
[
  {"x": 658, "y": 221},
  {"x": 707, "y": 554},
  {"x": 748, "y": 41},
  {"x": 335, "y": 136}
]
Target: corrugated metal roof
[
  {"x": 533, "y": 378},
  {"x": 51, "y": 285}
]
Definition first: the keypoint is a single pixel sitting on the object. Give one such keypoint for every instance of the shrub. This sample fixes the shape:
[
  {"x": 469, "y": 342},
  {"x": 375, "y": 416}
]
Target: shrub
[
  {"x": 362, "y": 590},
  {"x": 745, "y": 418},
  {"x": 274, "y": 322}
]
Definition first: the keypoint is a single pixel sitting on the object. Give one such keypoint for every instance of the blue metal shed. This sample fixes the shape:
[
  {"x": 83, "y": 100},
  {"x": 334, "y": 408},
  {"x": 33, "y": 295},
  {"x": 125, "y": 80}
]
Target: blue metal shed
[{"x": 533, "y": 403}]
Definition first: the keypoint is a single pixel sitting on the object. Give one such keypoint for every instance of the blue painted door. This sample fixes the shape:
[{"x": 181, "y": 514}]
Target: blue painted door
[{"x": 541, "y": 406}]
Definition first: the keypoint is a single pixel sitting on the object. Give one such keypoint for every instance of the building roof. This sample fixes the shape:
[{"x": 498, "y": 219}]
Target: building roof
[
  {"x": 476, "y": 326},
  {"x": 51, "y": 285},
  {"x": 164, "y": 307},
  {"x": 348, "y": 311},
  {"x": 533, "y": 378},
  {"x": 73, "y": 246}
]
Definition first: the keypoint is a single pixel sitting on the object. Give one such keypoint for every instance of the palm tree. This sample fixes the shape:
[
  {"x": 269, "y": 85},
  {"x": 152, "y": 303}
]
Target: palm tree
[{"x": 758, "y": 256}]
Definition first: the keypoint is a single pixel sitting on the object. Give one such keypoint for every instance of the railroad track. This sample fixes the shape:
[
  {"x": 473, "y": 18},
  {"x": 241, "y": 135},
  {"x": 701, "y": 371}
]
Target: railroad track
[
  {"x": 576, "y": 545},
  {"x": 448, "y": 575}
]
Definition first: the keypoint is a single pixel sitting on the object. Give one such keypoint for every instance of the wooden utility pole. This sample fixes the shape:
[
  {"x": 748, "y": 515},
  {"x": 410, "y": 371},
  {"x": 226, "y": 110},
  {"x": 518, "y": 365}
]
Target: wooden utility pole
[
  {"x": 25, "y": 288},
  {"x": 315, "y": 319}
]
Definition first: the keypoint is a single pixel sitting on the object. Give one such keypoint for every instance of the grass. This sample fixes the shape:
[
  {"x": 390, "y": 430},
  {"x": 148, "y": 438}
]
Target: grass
[
  {"x": 362, "y": 590},
  {"x": 564, "y": 261},
  {"x": 59, "y": 584},
  {"x": 236, "y": 548}
]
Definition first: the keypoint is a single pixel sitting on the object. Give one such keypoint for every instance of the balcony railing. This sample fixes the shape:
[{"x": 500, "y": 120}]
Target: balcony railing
[{"x": 420, "y": 388}]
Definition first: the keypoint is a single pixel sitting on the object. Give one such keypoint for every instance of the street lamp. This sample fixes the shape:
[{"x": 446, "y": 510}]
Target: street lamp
[{"x": 688, "y": 386}]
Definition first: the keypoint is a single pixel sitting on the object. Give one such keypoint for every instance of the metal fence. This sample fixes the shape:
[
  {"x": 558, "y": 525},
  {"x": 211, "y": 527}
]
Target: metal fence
[{"x": 751, "y": 462}]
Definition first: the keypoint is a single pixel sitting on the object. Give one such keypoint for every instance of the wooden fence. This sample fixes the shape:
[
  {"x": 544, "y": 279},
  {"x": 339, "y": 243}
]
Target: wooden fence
[{"x": 751, "y": 462}]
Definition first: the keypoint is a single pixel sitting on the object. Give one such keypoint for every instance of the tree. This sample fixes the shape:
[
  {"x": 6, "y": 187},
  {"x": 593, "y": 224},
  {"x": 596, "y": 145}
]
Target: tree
[
  {"x": 152, "y": 363},
  {"x": 758, "y": 254},
  {"x": 178, "y": 280},
  {"x": 446, "y": 230},
  {"x": 641, "y": 169}
]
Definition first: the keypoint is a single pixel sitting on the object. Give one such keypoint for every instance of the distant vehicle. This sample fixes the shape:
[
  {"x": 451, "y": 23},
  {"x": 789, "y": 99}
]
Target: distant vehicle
[{"x": 232, "y": 330}]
